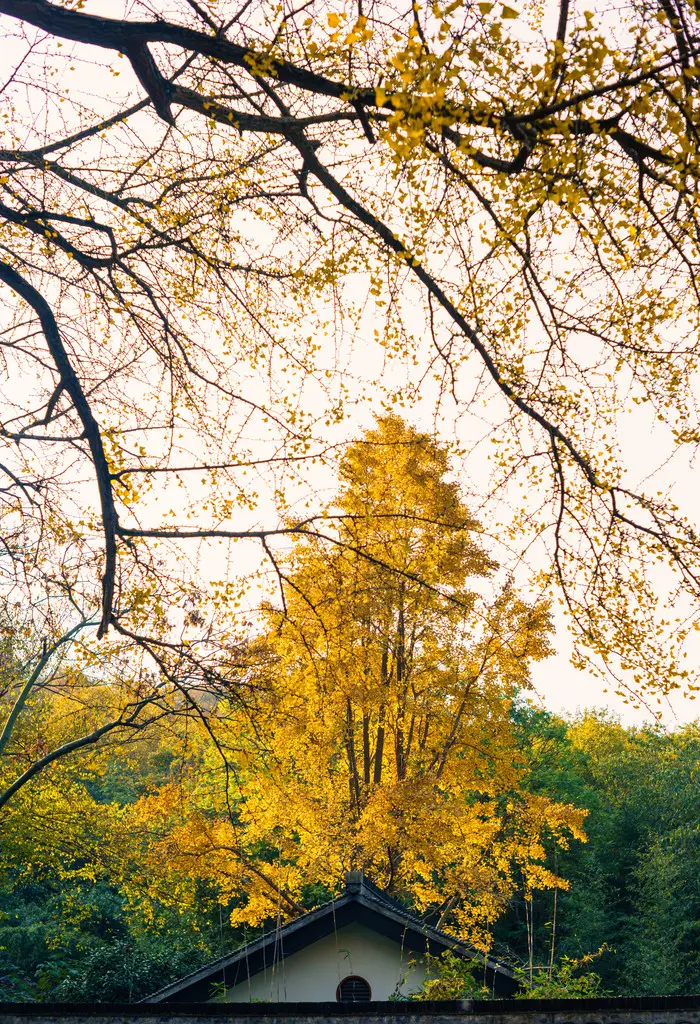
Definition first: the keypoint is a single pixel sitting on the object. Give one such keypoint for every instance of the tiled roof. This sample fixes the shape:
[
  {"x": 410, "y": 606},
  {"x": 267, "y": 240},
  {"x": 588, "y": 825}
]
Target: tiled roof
[{"x": 361, "y": 901}]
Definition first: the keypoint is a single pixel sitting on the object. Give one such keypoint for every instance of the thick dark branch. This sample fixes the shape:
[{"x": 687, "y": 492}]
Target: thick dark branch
[
  {"x": 387, "y": 236},
  {"x": 130, "y": 37},
  {"x": 26, "y": 486},
  {"x": 634, "y": 147},
  {"x": 678, "y": 28},
  {"x": 246, "y": 122},
  {"x": 151, "y": 79},
  {"x": 493, "y": 163},
  {"x": 36, "y": 221},
  {"x": 204, "y": 16},
  {"x": 74, "y": 389},
  {"x": 620, "y": 85},
  {"x": 563, "y": 19},
  {"x": 364, "y": 121},
  {"x": 638, "y": 149}
]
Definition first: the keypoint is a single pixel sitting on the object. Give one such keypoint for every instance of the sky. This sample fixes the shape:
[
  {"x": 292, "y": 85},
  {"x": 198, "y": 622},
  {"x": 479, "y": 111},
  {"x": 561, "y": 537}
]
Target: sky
[{"x": 556, "y": 682}]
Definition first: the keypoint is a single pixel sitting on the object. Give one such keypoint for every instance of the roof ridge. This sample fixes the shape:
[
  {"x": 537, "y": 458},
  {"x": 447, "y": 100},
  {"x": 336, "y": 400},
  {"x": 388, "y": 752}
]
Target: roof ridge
[{"x": 394, "y": 902}]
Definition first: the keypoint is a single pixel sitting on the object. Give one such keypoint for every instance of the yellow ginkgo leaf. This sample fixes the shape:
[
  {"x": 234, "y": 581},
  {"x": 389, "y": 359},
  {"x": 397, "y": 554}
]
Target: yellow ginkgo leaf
[{"x": 509, "y": 12}]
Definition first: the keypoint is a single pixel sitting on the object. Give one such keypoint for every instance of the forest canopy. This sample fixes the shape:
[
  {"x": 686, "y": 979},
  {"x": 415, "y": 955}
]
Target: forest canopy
[
  {"x": 89, "y": 936},
  {"x": 388, "y": 728}
]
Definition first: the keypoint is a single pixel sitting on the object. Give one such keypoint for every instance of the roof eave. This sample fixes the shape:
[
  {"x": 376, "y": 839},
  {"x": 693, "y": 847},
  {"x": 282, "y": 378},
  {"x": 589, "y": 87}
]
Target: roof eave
[{"x": 247, "y": 950}]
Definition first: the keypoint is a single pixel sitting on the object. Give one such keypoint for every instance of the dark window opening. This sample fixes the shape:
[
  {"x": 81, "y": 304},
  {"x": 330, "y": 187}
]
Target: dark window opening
[{"x": 353, "y": 989}]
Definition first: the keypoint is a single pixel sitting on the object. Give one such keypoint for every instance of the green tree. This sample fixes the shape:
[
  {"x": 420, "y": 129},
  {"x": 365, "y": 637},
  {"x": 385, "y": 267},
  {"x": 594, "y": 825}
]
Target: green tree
[{"x": 633, "y": 885}]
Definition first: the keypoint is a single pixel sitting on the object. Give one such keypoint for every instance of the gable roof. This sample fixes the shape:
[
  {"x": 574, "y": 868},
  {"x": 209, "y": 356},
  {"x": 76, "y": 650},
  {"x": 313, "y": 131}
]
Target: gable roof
[{"x": 361, "y": 903}]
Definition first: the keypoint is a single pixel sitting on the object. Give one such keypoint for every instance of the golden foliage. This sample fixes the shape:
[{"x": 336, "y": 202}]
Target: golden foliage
[
  {"x": 379, "y": 736},
  {"x": 242, "y": 200}
]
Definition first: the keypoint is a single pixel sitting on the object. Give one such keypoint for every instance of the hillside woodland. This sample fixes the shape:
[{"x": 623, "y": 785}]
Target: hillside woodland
[{"x": 78, "y": 930}]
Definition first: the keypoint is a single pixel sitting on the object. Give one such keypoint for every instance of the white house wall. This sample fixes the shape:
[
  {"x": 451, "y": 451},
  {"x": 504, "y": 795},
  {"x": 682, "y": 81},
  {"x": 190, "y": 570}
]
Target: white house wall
[{"x": 313, "y": 973}]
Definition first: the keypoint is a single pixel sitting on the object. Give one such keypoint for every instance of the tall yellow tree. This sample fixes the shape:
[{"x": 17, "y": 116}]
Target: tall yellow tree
[{"x": 378, "y": 737}]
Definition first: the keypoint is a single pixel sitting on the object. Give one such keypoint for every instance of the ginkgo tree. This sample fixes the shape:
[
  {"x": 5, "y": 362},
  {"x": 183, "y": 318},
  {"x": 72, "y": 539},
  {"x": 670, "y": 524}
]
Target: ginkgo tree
[
  {"x": 215, "y": 216},
  {"x": 379, "y": 736}
]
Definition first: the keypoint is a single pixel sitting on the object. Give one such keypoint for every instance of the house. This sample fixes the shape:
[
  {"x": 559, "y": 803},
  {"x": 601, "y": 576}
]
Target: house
[{"x": 363, "y": 946}]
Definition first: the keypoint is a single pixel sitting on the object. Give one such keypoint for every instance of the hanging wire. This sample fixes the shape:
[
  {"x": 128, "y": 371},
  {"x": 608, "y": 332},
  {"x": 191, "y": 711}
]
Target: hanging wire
[
  {"x": 221, "y": 952},
  {"x": 401, "y": 977},
  {"x": 247, "y": 963},
  {"x": 278, "y": 938},
  {"x": 337, "y": 947},
  {"x": 281, "y": 932}
]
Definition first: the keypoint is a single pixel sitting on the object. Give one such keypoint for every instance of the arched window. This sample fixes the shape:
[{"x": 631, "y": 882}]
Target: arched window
[{"x": 353, "y": 989}]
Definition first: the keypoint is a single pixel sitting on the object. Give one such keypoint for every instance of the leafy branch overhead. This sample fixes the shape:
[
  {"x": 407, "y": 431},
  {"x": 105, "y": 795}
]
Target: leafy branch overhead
[{"x": 514, "y": 191}]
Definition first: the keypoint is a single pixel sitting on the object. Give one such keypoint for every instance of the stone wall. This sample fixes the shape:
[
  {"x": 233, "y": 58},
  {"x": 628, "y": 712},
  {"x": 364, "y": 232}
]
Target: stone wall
[{"x": 661, "y": 1010}]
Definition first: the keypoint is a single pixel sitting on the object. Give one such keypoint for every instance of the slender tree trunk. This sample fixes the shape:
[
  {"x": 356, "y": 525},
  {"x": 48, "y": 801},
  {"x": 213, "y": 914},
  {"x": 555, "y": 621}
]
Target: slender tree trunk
[
  {"x": 354, "y": 780},
  {"x": 379, "y": 749},
  {"x": 400, "y": 682},
  {"x": 409, "y": 741},
  {"x": 366, "y": 752},
  {"x": 554, "y": 923}
]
